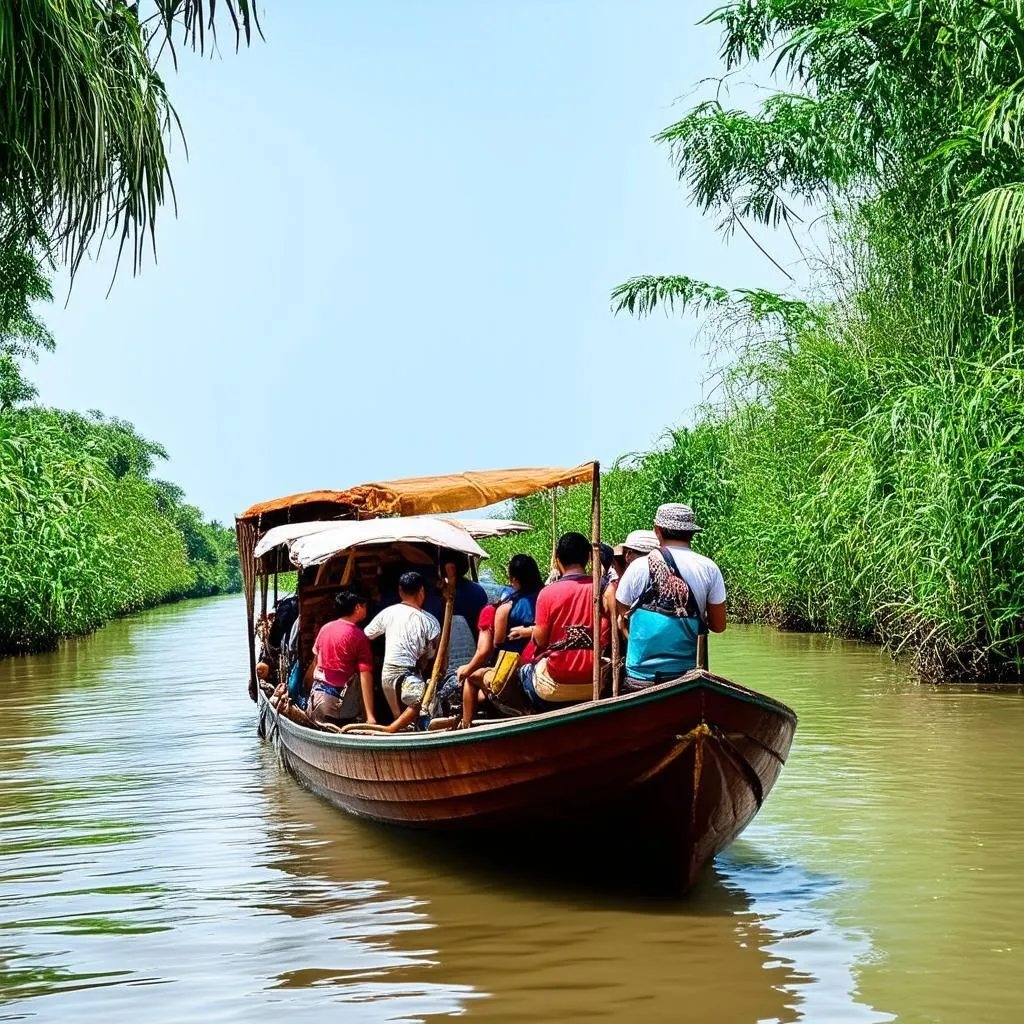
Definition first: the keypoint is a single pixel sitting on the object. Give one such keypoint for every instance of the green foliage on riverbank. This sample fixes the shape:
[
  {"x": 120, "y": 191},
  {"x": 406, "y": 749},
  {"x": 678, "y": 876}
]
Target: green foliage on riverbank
[
  {"x": 86, "y": 531},
  {"x": 88, "y": 534},
  {"x": 862, "y": 468}
]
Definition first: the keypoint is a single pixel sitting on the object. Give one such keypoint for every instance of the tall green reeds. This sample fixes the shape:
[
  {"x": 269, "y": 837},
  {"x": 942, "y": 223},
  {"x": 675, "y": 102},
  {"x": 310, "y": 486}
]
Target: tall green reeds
[
  {"x": 86, "y": 535},
  {"x": 862, "y": 470}
]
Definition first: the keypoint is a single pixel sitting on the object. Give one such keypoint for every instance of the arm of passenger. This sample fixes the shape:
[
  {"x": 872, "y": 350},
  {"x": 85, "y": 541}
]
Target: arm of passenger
[
  {"x": 542, "y": 629},
  {"x": 366, "y": 686},
  {"x": 404, "y": 720},
  {"x": 608, "y": 601},
  {"x": 366, "y": 679},
  {"x": 541, "y": 635},
  {"x": 716, "y": 603},
  {"x": 716, "y": 617},
  {"x": 483, "y": 652},
  {"x": 501, "y": 623},
  {"x": 375, "y": 628},
  {"x": 622, "y": 611}
]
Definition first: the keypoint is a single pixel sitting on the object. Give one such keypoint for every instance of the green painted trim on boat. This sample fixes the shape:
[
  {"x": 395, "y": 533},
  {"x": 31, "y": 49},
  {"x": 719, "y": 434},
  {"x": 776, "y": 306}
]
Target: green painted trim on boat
[{"x": 530, "y": 723}]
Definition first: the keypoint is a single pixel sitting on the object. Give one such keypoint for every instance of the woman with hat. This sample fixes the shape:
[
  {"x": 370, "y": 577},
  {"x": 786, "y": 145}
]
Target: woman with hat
[
  {"x": 636, "y": 545},
  {"x": 669, "y": 597}
]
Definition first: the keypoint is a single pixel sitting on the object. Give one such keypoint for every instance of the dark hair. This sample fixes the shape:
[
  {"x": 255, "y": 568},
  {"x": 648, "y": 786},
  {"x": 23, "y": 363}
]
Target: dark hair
[
  {"x": 523, "y": 569},
  {"x": 573, "y": 549},
  {"x": 686, "y": 535},
  {"x": 607, "y": 554},
  {"x": 460, "y": 559},
  {"x": 346, "y": 601},
  {"x": 411, "y": 583}
]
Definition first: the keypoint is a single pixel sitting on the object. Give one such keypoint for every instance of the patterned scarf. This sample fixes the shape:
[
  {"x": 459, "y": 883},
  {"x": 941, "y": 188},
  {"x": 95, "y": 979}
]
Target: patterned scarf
[
  {"x": 577, "y": 638},
  {"x": 670, "y": 592}
]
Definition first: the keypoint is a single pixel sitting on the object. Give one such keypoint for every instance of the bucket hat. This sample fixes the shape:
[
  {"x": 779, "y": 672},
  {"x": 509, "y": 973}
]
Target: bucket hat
[
  {"x": 676, "y": 517},
  {"x": 641, "y": 540}
]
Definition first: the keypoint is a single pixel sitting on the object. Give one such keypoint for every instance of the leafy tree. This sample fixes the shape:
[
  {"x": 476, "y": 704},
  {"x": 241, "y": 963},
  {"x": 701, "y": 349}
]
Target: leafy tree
[
  {"x": 85, "y": 117},
  {"x": 22, "y": 333},
  {"x": 867, "y": 470}
]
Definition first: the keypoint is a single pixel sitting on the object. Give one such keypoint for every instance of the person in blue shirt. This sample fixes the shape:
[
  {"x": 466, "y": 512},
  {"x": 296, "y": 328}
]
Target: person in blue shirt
[
  {"x": 470, "y": 597},
  {"x": 669, "y": 598}
]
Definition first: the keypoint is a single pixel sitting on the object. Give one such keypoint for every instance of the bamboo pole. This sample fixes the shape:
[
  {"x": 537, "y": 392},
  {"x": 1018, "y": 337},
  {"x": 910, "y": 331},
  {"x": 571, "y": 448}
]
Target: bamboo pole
[
  {"x": 616, "y": 655},
  {"x": 346, "y": 574},
  {"x": 251, "y": 623},
  {"x": 441, "y": 661},
  {"x": 275, "y": 591},
  {"x": 554, "y": 525},
  {"x": 702, "y": 651},
  {"x": 595, "y": 568},
  {"x": 245, "y": 537}
]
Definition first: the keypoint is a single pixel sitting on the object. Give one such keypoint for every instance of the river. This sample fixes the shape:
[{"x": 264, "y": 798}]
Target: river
[{"x": 157, "y": 864}]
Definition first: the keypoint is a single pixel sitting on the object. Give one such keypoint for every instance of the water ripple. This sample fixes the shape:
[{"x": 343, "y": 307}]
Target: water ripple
[{"x": 156, "y": 863}]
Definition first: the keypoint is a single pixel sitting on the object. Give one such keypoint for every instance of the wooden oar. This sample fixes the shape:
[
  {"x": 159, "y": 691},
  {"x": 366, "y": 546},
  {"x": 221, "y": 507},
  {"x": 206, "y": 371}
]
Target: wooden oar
[{"x": 441, "y": 661}]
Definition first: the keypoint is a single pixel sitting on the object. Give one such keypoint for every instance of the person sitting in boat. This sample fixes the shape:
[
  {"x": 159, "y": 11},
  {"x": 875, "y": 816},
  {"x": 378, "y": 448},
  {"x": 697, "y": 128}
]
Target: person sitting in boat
[
  {"x": 637, "y": 544},
  {"x": 517, "y": 612},
  {"x": 562, "y": 672},
  {"x": 341, "y": 657},
  {"x": 669, "y": 597},
  {"x": 451, "y": 692},
  {"x": 470, "y": 598},
  {"x": 410, "y": 639}
]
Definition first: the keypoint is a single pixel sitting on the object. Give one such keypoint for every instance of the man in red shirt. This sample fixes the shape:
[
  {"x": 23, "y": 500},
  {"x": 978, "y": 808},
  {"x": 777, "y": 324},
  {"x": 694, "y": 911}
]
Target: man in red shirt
[
  {"x": 341, "y": 653},
  {"x": 563, "y": 676}
]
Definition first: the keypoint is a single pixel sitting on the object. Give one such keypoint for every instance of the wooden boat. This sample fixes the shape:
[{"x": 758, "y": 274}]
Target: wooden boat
[{"x": 677, "y": 771}]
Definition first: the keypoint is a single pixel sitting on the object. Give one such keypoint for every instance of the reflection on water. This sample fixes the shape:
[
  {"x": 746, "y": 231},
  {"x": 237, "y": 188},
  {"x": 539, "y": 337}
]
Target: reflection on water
[{"x": 157, "y": 863}]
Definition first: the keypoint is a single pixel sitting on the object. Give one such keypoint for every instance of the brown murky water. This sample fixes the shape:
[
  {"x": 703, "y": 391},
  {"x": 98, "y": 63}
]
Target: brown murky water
[{"x": 156, "y": 864}]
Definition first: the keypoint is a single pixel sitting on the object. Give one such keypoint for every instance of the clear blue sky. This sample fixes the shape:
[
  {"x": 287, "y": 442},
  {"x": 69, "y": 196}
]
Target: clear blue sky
[{"x": 398, "y": 227}]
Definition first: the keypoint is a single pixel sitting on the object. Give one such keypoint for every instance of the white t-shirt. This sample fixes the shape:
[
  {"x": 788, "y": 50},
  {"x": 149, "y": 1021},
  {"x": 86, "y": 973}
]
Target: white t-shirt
[
  {"x": 408, "y": 633},
  {"x": 702, "y": 576}
]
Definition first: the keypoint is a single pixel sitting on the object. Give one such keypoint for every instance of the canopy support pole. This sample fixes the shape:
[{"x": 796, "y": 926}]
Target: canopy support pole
[
  {"x": 616, "y": 656},
  {"x": 275, "y": 591},
  {"x": 245, "y": 536},
  {"x": 553, "y": 569},
  {"x": 702, "y": 651},
  {"x": 595, "y": 568}
]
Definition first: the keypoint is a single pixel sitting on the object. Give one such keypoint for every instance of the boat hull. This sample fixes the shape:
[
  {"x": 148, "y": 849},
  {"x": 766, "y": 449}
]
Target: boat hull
[{"x": 679, "y": 770}]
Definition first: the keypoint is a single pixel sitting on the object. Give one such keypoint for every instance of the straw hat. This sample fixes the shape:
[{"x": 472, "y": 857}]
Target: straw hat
[
  {"x": 640, "y": 540},
  {"x": 676, "y": 517}
]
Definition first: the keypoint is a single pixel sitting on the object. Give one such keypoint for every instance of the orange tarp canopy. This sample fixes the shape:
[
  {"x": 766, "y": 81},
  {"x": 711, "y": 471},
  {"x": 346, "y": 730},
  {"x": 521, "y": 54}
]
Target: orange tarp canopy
[{"x": 432, "y": 495}]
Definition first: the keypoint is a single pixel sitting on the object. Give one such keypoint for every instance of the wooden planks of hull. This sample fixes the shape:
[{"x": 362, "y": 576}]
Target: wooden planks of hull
[{"x": 679, "y": 769}]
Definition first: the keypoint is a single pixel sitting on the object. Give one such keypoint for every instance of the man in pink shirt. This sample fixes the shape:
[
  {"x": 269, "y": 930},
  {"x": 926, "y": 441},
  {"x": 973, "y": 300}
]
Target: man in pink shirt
[{"x": 341, "y": 653}]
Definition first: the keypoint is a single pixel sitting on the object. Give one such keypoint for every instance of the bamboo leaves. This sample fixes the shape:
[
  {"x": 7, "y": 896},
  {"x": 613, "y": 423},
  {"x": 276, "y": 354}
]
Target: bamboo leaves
[
  {"x": 85, "y": 117},
  {"x": 871, "y": 440}
]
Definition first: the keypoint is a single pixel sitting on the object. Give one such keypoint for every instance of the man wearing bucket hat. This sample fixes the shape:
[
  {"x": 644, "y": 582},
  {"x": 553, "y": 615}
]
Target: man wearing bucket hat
[{"x": 669, "y": 597}]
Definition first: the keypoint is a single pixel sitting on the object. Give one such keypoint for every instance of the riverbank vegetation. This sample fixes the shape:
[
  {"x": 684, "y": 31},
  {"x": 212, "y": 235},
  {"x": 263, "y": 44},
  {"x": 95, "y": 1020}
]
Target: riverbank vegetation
[
  {"x": 861, "y": 469},
  {"x": 86, "y": 531}
]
